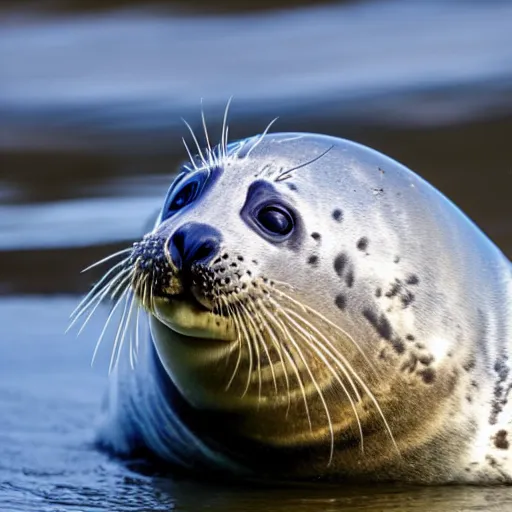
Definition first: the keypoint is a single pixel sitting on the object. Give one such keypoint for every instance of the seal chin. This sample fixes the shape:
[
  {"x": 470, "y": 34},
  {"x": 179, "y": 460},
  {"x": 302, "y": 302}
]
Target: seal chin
[{"x": 190, "y": 318}]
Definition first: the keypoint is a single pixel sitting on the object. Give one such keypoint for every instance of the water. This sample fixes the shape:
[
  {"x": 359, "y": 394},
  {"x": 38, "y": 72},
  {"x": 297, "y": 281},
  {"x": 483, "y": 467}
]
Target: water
[{"x": 90, "y": 136}]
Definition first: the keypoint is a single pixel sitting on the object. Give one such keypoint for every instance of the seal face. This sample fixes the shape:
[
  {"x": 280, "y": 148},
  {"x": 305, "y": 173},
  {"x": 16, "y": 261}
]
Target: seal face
[{"x": 316, "y": 310}]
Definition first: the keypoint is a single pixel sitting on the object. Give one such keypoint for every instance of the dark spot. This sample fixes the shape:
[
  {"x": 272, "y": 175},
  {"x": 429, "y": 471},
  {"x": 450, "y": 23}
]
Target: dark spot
[
  {"x": 501, "y": 391},
  {"x": 313, "y": 260},
  {"x": 379, "y": 323},
  {"x": 410, "y": 365},
  {"x": 362, "y": 244},
  {"x": 337, "y": 215},
  {"x": 349, "y": 279},
  {"x": 410, "y": 337},
  {"x": 395, "y": 289},
  {"x": 398, "y": 345},
  {"x": 397, "y": 259},
  {"x": 501, "y": 441},
  {"x": 292, "y": 186},
  {"x": 339, "y": 263},
  {"x": 340, "y": 301},
  {"x": 426, "y": 359},
  {"x": 469, "y": 365},
  {"x": 378, "y": 292},
  {"x": 500, "y": 367},
  {"x": 412, "y": 279},
  {"x": 240, "y": 258},
  {"x": 255, "y": 262},
  {"x": 316, "y": 236},
  {"x": 225, "y": 256},
  {"x": 407, "y": 299},
  {"x": 428, "y": 375},
  {"x": 491, "y": 460}
]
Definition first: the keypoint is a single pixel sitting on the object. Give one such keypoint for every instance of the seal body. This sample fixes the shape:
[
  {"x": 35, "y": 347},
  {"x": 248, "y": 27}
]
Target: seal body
[{"x": 316, "y": 311}]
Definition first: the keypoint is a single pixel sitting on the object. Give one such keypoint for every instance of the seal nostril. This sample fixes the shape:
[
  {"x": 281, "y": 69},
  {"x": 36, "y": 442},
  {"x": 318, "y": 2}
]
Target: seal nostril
[
  {"x": 177, "y": 248},
  {"x": 204, "y": 252},
  {"x": 194, "y": 243}
]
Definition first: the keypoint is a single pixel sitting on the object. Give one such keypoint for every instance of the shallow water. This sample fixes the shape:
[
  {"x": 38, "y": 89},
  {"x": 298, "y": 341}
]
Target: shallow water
[{"x": 90, "y": 137}]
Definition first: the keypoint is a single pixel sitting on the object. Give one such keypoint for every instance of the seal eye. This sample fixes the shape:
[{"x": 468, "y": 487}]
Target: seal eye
[
  {"x": 275, "y": 220},
  {"x": 185, "y": 195}
]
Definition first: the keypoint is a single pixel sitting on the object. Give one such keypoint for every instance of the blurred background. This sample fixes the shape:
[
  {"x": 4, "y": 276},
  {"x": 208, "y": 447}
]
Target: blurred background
[{"x": 91, "y": 96}]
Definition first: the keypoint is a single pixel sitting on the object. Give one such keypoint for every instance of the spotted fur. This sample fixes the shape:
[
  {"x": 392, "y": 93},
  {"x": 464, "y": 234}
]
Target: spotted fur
[{"x": 403, "y": 304}]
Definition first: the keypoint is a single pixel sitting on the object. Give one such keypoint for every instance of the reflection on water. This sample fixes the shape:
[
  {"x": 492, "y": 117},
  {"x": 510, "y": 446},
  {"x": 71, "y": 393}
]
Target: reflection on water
[
  {"x": 89, "y": 140},
  {"x": 104, "y": 78}
]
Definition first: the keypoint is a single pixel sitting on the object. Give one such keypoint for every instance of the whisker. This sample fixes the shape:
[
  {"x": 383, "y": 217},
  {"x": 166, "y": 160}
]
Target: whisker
[
  {"x": 211, "y": 156},
  {"x": 322, "y": 399},
  {"x": 224, "y": 140},
  {"x": 343, "y": 360},
  {"x": 137, "y": 327},
  {"x": 124, "y": 297},
  {"x": 199, "y": 152},
  {"x": 325, "y": 320},
  {"x": 361, "y": 382},
  {"x": 96, "y": 286},
  {"x": 309, "y": 340},
  {"x": 107, "y": 322},
  {"x": 151, "y": 299},
  {"x": 283, "y": 283},
  {"x": 261, "y": 137},
  {"x": 254, "y": 332},
  {"x": 287, "y": 335},
  {"x": 187, "y": 149},
  {"x": 286, "y": 174},
  {"x": 249, "y": 349},
  {"x": 256, "y": 313},
  {"x": 130, "y": 297},
  {"x": 107, "y": 258},
  {"x": 318, "y": 390},
  {"x": 98, "y": 299},
  {"x": 239, "y": 339},
  {"x": 134, "y": 304}
]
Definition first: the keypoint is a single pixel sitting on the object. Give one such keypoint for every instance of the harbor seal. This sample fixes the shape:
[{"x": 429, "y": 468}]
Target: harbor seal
[{"x": 317, "y": 311}]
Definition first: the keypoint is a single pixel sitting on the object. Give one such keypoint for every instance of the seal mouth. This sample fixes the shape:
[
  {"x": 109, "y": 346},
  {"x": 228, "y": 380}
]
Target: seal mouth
[
  {"x": 186, "y": 315},
  {"x": 179, "y": 299}
]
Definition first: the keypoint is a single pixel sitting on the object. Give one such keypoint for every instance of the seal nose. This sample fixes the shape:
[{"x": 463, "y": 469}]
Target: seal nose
[{"x": 194, "y": 243}]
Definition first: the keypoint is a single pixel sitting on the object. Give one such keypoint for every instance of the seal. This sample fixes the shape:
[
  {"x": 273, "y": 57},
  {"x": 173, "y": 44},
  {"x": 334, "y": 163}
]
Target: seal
[{"x": 316, "y": 311}]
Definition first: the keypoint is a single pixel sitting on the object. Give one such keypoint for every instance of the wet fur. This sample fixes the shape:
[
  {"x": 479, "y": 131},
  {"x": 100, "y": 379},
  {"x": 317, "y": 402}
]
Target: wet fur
[{"x": 389, "y": 309}]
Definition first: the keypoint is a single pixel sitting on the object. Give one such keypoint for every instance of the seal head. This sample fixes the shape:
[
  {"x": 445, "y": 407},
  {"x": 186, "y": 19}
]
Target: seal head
[{"x": 314, "y": 301}]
